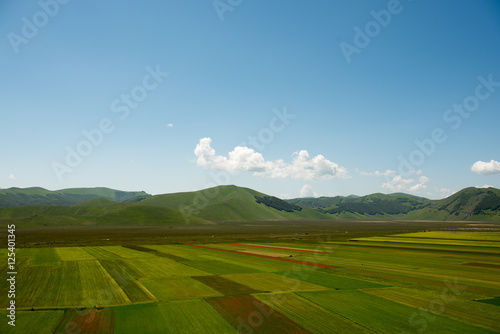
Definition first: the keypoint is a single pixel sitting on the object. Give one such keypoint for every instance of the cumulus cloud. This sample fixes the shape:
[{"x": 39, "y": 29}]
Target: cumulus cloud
[
  {"x": 12, "y": 177},
  {"x": 242, "y": 158},
  {"x": 400, "y": 184},
  {"x": 486, "y": 168},
  {"x": 170, "y": 125},
  {"x": 305, "y": 191},
  {"x": 424, "y": 179},
  {"x": 397, "y": 183}
]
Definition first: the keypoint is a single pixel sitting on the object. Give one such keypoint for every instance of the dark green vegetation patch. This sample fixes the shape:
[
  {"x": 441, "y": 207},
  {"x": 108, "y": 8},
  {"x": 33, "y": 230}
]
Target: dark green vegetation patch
[
  {"x": 331, "y": 281},
  {"x": 126, "y": 277},
  {"x": 278, "y": 204},
  {"x": 492, "y": 301},
  {"x": 225, "y": 286},
  {"x": 246, "y": 314}
]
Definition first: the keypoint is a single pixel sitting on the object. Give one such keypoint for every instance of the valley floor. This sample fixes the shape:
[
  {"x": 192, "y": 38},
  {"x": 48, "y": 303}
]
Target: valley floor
[{"x": 445, "y": 281}]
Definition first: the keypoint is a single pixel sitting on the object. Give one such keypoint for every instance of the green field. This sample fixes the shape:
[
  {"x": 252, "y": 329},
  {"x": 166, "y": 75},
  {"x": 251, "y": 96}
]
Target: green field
[
  {"x": 449, "y": 284},
  {"x": 385, "y": 316}
]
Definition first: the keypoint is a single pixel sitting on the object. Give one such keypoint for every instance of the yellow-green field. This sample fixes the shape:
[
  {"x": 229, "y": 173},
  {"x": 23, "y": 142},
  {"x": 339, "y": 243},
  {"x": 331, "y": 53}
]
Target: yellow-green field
[{"x": 426, "y": 282}]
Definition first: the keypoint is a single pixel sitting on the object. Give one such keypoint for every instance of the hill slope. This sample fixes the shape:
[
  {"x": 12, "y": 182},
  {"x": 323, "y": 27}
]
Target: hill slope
[
  {"x": 101, "y": 206},
  {"x": 118, "y": 214},
  {"x": 370, "y": 205},
  {"x": 15, "y": 197},
  {"x": 232, "y": 203},
  {"x": 467, "y": 204}
]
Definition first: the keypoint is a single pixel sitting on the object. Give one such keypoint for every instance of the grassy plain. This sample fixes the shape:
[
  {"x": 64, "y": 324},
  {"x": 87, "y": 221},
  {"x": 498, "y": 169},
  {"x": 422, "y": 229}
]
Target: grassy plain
[{"x": 391, "y": 282}]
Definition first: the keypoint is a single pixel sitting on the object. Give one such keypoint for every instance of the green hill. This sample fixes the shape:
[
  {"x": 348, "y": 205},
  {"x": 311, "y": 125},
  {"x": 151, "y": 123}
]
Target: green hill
[
  {"x": 95, "y": 213},
  {"x": 95, "y": 202},
  {"x": 103, "y": 206},
  {"x": 380, "y": 204},
  {"x": 370, "y": 205},
  {"x": 15, "y": 197},
  {"x": 318, "y": 203},
  {"x": 225, "y": 203},
  {"x": 467, "y": 204}
]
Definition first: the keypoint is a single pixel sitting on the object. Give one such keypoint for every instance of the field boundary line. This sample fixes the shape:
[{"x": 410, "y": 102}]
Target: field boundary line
[
  {"x": 472, "y": 280},
  {"x": 285, "y": 248},
  {"x": 114, "y": 282},
  {"x": 145, "y": 289},
  {"x": 267, "y": 257}
]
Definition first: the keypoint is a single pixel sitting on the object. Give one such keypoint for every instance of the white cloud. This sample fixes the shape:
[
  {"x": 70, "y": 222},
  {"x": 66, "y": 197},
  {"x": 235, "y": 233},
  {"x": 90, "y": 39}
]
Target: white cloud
[
  {"x": 377, "y": 173},
  {"x": 170, "y": 125},
  {"x": 424, "y": 179},
  {"x": 486, "y": 186},
  {"x": 12, "y": 177},
  {"x": 400, "y": 184},
  {"x": 389, "y": 172},
  {"x": 417, "y": 188},
  {"x": 243, "y": 158},
  {"x": 486, "y": 168},
  {"x": 305, "y": 191}
]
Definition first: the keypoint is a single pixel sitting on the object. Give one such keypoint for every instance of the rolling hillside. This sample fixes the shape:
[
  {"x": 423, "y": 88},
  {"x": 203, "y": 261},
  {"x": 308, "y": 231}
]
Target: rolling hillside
[
  {"x": 374, "y": 205},
  {"x": 102, "y": 206},
  {"x": 15, "y": 197},
  {"x": 95, "y": 213},
  {"x": 467, "y": 204},
  {"x": 224, "y": 203}
]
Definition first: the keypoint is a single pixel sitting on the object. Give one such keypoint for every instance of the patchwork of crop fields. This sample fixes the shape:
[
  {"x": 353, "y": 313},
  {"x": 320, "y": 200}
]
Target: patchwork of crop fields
[{"x": 429, "y": 282}]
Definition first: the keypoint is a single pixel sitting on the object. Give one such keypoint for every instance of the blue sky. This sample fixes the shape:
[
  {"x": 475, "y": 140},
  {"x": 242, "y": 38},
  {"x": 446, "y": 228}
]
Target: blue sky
[{"x": 336, "y": 95}]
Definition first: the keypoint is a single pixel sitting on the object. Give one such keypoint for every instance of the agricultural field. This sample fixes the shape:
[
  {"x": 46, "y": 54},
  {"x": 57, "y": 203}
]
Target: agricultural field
[{"x": 425, "y": 282}]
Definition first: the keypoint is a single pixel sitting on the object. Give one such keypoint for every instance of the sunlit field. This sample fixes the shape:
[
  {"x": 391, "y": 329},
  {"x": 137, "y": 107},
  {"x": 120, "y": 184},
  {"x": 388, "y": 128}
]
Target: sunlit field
[{"x": 426, "y": 282}]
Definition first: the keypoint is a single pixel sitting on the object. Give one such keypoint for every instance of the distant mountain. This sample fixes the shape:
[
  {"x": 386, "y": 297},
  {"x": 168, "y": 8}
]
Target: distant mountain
[
  {"x": 103, "y": 206},
  {"x": 370, "y": 205},
  {"x": 467, "y": 204},
  {"x": 15, "y": 197},
  {"x": 233, "y": 203},
  {"x": 408, "y": 195}
]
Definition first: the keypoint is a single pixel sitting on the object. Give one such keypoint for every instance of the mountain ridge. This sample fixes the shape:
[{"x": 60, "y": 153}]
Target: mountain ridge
[
  {"x": 233, "y": 203},
  {"x": 467, "y": 204},
  {"x": 17, "y": 197}
]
